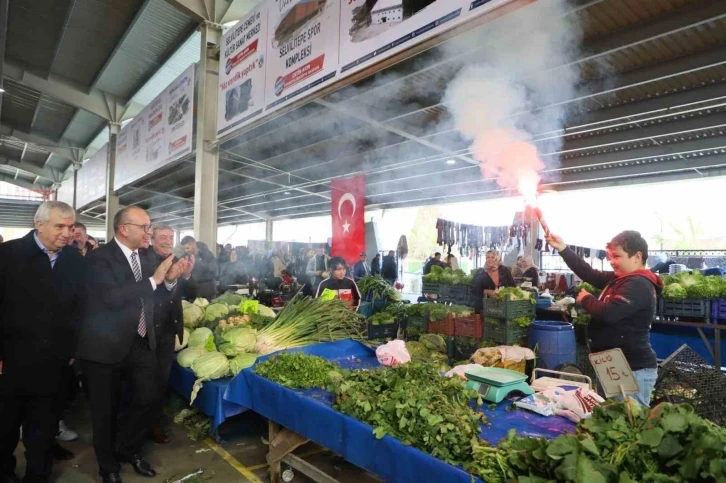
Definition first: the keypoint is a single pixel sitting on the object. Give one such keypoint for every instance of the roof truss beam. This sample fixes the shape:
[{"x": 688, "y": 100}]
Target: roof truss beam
[
  {"x": 64, "y": 150},
  {"x": 203, "y": 10},
  {"x": 49, "y": 174},
  {"x": 95, "y": 101}
]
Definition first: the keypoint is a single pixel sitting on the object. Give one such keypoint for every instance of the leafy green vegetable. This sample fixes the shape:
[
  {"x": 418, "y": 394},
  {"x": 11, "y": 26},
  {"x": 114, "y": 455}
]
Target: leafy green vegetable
[
  {"x": 433, "y": 342},
  {"x": 207, "y": 367},
  {"x": 417, "y": 350},
  {"x": 236, "y": 340},
  {"x": 198, "y": 425},
  {"x": 674, "y": 291},
  {"x": 447, "y": 276},
  {"x": 240, "y": 362},
  {"x": 623, "y": 442},
  {"x": 415, "y": 404},
  {"x": 513, "y": 293},
  {"x": 229, "y": 299},
  {"x": 582, "y": 319},
  {"x": 297, "y": 370},
  {"x": 215, "y": 311},
  {"x": 382, "y": 318},
  {"x": 188, "y": 355},
  {"x": 588, "y": 288},
  {"x": 377, "y": 287},
  {"x": 192, "y": 314},
  {"x": 202, "y": 337},
  {"x": 523, "y": 321},
  {"x": 418, "y": 310}
]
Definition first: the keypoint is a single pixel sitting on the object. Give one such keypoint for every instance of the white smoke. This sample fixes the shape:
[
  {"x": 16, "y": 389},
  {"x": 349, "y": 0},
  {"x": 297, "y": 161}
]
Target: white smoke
[{"x": 499, "y": 104}]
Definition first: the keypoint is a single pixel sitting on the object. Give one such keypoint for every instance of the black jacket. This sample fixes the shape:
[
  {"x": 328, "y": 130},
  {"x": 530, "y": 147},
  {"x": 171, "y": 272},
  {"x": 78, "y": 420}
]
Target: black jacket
[
  {"x": 168, "y": 316},
  {"x": 376, "y": 266},
  {"x": 341, "y": 287},
  {"x": 389, "y": 269},
  {"x": 111, "y": 318},
  {"x": 532, "y": 273},
  {"x": 40, "y": 309},
  {"x": 482, "y": 281},
  {"x": 622, "y": 315}
]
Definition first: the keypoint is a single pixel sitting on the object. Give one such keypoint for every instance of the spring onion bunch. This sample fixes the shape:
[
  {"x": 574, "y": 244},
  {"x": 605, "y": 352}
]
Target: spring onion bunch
[{"x": 306, "y": 321}]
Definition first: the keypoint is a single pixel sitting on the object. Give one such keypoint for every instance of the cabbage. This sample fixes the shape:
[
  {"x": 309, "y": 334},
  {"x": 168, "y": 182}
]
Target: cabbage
[
  {"x": 241, "y": 361},
  {"x": 186, "y": 357},
  {"x": 202, "y": 337},
  {"x": 185, "y": 303},
  {"x": 215, "y": 311},
  {"x": 249, "y": 307},
  {"x": 192, "y": 315},
  {"x": 433, "y": 342},
  {"x": 266, "y": 311},
  {"x": 184, "y": 342},
  {"x": 209, "y": 366},
  {"x": 201, "y": 302},
  {"x": 230, "y": 299},
  {"x": 236, "y": 341},
  {"x": 417, "y": 350},
  {"x": 674, "y": 291}
]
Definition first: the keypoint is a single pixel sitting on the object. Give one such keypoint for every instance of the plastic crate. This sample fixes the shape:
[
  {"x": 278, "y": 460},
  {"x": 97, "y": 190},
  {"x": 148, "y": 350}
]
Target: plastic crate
[
  {"x": 365, "y": 309},
  {"x": 457, "y": 294},
  {"x": 504, "y": 331},
  {"x": 434, "y": 288},
  {"x": 508, "y": 309},
  {"x": 694, "y": 308},
  {"x": 469, "y": 326},
  {"x": 443, "y": 326},
  {"x": 382, "y": 331},
  {"x": 420, "y": 323},
  {"x": 718, "y": 310}
]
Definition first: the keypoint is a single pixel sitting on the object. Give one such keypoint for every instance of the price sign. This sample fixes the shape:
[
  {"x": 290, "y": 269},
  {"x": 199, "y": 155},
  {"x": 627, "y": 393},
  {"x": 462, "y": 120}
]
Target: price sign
[{"x": 613, "y": 372}]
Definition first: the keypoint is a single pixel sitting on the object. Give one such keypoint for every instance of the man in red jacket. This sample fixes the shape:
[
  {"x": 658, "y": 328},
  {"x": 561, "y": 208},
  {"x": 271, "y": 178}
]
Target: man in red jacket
[{"x": 622, "y": 315}]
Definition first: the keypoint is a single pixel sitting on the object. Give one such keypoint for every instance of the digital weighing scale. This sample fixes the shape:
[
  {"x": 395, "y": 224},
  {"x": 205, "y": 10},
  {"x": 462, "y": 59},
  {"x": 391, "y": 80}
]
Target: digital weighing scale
[{"x": 494, "y": 384}]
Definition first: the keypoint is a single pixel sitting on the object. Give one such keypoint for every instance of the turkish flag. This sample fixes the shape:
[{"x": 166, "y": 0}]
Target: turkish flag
[{"x": 348, "y": 213}]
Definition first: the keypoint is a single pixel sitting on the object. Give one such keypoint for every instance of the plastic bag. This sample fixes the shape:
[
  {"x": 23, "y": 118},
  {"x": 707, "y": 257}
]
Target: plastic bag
[
  {"x": 461, "y": 370},
  {"x": 393, "y": 353}
]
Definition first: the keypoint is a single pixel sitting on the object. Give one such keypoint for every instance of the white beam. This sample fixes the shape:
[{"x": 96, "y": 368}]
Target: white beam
[
  {"x": 64, "y": 150},
  {"x": 49, "y": 174},
  {"x": 95, "y": 101}
]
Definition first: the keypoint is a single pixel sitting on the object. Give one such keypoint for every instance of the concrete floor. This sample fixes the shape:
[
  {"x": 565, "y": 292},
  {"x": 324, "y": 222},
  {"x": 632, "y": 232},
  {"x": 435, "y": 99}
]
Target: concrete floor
[{"x": 241, "y": 439}]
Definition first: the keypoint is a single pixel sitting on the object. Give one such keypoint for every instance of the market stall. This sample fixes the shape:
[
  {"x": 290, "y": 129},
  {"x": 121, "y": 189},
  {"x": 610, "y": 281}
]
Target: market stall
[{"x": 309, "y": 414}]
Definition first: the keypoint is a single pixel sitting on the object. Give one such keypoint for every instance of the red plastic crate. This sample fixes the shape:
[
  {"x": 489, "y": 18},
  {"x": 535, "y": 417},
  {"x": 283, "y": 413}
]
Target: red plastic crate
[
  {"x": 471, "y": 326},
  {"x": 443, "y": 326}
]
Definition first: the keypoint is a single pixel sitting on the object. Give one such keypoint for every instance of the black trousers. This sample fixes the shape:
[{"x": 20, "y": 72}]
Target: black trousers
[
  {"x": 104, "y": 383},
  {"x": 37, "y": 414},
  {"x": 164, "y": 360}
]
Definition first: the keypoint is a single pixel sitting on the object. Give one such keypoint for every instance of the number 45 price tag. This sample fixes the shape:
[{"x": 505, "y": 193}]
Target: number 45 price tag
[{"x": 613, "y": 372}]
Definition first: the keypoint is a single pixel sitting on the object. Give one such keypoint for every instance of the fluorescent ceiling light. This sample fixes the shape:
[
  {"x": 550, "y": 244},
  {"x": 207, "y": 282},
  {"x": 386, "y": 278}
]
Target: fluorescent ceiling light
[{"x": 451, "y": 161}]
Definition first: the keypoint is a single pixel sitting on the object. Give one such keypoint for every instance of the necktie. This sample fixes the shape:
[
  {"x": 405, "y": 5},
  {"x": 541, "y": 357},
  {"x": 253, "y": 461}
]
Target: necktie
[{"x": 137, "y": 275}]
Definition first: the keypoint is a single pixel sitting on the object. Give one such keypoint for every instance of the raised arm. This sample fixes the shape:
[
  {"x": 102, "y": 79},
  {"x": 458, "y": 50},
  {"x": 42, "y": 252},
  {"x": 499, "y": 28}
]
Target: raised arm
[{"x": 596, "y": 278}]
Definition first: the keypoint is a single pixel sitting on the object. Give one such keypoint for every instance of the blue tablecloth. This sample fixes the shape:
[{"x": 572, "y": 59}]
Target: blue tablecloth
[
  {"x": 210, "y": 399},
  {"x": 310, "y": 414}
]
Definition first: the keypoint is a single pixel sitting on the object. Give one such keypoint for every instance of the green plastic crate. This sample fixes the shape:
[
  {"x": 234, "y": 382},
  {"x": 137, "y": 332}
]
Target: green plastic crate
[
  {"x": 508, "y": 309},
  {"x": 504, "y": 331}
]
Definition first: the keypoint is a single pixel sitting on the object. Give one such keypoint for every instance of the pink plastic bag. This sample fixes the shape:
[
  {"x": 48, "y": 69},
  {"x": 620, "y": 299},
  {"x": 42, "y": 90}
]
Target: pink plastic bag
[{"x": 393, "y": 353}]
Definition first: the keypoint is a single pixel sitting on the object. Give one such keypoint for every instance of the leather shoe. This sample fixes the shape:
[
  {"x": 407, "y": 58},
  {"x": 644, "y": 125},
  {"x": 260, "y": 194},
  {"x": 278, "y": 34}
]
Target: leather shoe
[
  {"x": 9, "y": 478},
  {"x": 111, "y": 478},
  {"x": 159, "y": 436},
  {"x": 62, "y": 454},
  {"x": 140, "y": 465}
]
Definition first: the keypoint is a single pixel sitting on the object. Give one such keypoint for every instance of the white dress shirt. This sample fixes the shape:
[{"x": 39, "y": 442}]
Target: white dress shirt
[{"x": 127, "y": 253}]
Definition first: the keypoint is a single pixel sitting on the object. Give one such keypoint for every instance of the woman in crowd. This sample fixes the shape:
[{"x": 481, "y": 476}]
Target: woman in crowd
[
  {"x": 488, "y": 280},
  {"x": 233, "y": 272},
  {"x": 529, "y": 269}
]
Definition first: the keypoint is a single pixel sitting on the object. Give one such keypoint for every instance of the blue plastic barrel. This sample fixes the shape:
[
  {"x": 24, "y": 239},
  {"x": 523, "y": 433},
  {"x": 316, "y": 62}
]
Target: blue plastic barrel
[{"x": 554, "y": 343}]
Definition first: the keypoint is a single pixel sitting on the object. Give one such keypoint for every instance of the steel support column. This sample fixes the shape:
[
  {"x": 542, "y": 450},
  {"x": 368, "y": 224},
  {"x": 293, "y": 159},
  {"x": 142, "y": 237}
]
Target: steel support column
[
  {"x": 206, "y": 176},
  {"x": 111, "y": 198},
  {"x": 269, "y": 236}
]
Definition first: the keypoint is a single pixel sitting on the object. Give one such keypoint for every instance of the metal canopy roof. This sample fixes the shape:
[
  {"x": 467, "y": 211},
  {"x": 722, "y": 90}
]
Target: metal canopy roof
[
  {"x": 70, "y": 67},
  {"x": 651, "y": 105}
]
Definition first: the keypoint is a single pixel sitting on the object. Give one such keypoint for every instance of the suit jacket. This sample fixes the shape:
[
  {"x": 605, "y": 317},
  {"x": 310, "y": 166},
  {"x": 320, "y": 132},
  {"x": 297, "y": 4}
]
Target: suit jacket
[
  {"x": 360, "y": 270},
  {"x": 168, "y": 316},
  {"x": 112, "y": 315},
  {"x": 40, "y": 309}
]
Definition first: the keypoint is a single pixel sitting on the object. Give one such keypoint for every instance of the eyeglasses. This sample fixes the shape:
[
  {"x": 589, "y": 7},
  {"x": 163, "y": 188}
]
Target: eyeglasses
[{"x": 146, "y": 228}]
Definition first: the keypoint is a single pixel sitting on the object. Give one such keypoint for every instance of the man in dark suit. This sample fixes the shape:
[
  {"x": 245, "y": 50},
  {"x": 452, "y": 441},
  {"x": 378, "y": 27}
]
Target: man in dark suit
[
  {"x": 42, "y": 285},
  {"x": 361, "y": 268},
  {"x": 168, "y": 319},
  {"x": 118, "y": 338}
]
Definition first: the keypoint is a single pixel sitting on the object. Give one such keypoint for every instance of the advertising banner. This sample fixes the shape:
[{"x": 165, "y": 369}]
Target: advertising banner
[
  {"x": 303, "y": 48},
  {"x": 348, "y": 215},
  {"x": 241, "y": 96},
  {"x": 159, "y": 135},
  {"x": 373, "y": 30},
  {"x": 92, "y": 178}
]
